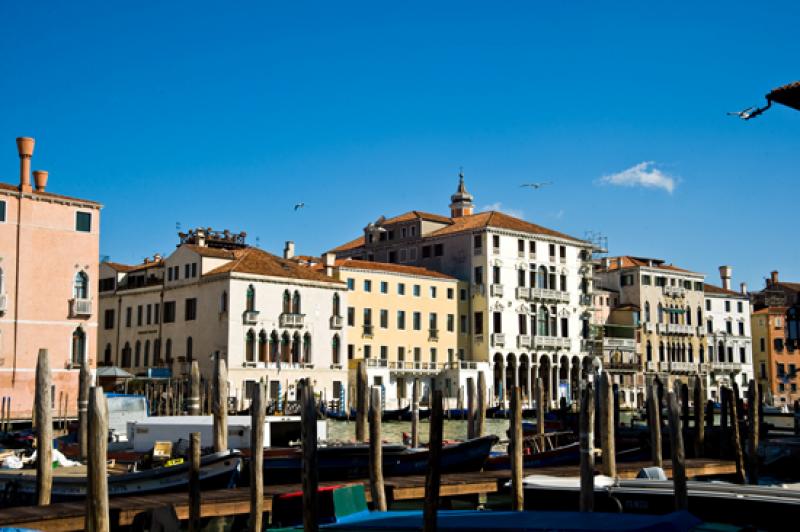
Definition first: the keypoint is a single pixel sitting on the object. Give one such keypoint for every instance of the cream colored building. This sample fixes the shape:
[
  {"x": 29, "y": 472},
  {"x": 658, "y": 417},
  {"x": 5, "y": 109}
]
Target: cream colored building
[
  {"x": 670, "y": 303},
  {"x": 408, "y": 323},
  {"x": 215, "y": 296}
]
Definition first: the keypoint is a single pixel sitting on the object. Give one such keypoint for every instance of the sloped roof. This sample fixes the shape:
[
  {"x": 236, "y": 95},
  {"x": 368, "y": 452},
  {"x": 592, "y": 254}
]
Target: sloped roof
[
  {"x": 626, "y": 261},
  {"x": 217, "y": 253},
  {"x": 389, "y": 267},
  {"x": 15, "y": 188},
  {"x": 259, "y": 262},
  {"x": 718, "y": 290},
  {"x": 418, "y": 215},
  {"x": 128, "y": 268}
]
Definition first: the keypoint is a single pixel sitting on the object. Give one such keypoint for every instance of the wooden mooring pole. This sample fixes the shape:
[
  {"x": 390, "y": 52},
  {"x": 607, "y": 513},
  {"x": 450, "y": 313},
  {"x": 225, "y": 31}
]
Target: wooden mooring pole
[
  {"x": 470, "y": 408},
  {"x": 376, "y": 452},
  {"x": 415, "y": 414},
  {"x": 515, "y": 451},
  {"x": 361, "y": 402},
  {"x": 654, "y": 420},
  {"x": 257, "y": 416},
  {"x": 480, "y": 423},
  {"x": 678, "y": 455},
  {"x": 194, "y": 390},
  {"x": 736, "y": 439},
  {"x": 44, "y": 429},
  {"x": 754, "y": 403},
  {"x": 607, "y": 437},
  {"x": 434, "y": 473},
  {"x": 699, "y": 425},
  {"x": 310, "y": 474},
  {"x": 84, "y": 384},
  {"x": 586, "y": 419},
  {"x": 220, "y": 406},
  {"x": 540, "y": 407},
  {"x": 194, "y": 482},
  {"x": 97, "y": 516}
]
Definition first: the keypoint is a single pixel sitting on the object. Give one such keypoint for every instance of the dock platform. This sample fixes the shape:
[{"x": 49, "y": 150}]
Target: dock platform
[{"x": 124, "y": 511}]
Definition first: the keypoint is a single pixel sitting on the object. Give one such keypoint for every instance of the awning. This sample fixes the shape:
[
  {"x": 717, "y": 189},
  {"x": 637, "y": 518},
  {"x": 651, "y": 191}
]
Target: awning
[
  {"x": 113, "y": 372},
  {"x": 675, "y": 310}
]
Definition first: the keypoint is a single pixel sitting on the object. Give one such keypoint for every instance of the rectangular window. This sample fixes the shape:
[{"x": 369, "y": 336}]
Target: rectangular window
[
  {"x": 433, "y": 292},
  {"x": 128, "y": 314},
  {"x": 552, "y": 251},
  {"x": 401, "y": 289},
  {"x": 417, "y": 321},
  {"x": 2, "y": 211},
  {"x": 401, "y": 319},
  {"x": 708, "y": 304},
  {"x": 108, "y": 320},
  {"x": 417, "y": 290},
  {"x": 497, "y": 322},
  {"x": 149, "y": 314},
  {"x": 451, "y": 293},
  {"x": 462, "y": 294},
  {"x": 451, "y": 323},
  {"x": 478, "y": 275},
  {"x": 727, "y": 306},
  {"x": 351, "y": 284},
  {"x": 477, "y": 241},
  {"x": 384, "y": 287},
  {"x": 496, "y": 241},
  {"x": 661, "y": 281},
  {"x": 563, "y": 283},
  {"x": 401, "y": 354},
  {"x": 433, "y": 321},
  {"x": 520, "y": 246},
  {"x": 83, "y": 222},
  {"x": 417, "y": 354},
  {"x": 463, "y": 324},
  {"x": 523, "y": 324},
  {"x": 194, "y": 269},
  {"x": 647, "y": 280},
  {"x": 729, "y": 327},
  {"x": 438, "y": 250},
  {"x": 384, "y": 318},
  {"x": 426, "y": 252},
  {"x": 367, "y": 285},
  {"x": 169, "y": 274},
  {"x": 781, "y": 370},
  {"x": 763, "y": 370},
  {"x": 351, "y": 351},
  {"x": 433, "y": 355},
  {"x": 169, "y": 311},
  {"x": 478, "y": 323},
  {"x": 532, "y": 247},
  {"x": 367, "y": 316},
  {"x": 496, "y": 274},
  {"x": 187, "y": 271},
  {"x": 565, "y": 327},
  {"x": 191, "y": 309},
  {"x": 156, "y": 308},
  {"x": 762, "y": 343},
  {"x": 627, "y": 280},
  {"x": 367, "y": 351},
  {"x": 562, "y": 252},
  {"x": 741, "y": 328},
  {"x": 384, "y": 352},
  {"x": 176, "y": 272},
  {"x": 739, "y": 307},
  {"x": 139, "y": 309}
]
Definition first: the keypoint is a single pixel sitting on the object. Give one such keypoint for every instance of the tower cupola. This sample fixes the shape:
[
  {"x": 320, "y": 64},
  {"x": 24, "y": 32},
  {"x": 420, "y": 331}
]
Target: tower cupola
[{"x": 461, "y": 201}]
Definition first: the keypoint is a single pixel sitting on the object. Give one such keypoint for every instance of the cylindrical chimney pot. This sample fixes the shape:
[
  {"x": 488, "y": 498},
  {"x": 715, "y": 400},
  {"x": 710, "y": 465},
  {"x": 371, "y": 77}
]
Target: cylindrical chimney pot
[
  {"x": 25, "y": 149},
  {"x": 40, "y": 179},
  {"x": 743, "y": 288},
  {"x": 725, "y": 273},
  {"x": 773, "y": 276},
  {"x": 288, "y": 250}
]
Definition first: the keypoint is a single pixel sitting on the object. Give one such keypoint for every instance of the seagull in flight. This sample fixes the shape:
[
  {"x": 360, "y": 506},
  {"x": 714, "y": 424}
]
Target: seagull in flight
[
  {"x": 536, "y": 186},
  {"x": 751, "y": 112},
  {"x": 298, "y": 206}
]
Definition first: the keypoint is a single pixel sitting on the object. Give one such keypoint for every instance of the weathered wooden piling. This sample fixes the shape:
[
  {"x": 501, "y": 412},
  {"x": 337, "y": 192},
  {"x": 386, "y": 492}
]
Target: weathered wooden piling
[
  {"x": 44, "y": 429},
  {"x": 97, "y": 517},
  {"x": 3, "y": 416},
  {"x": 194, "y": 482},
  {"x": 361, "y": 402},
  {"x": 736, "y": 439},
  {"x": 220, "y": 406},
  {"x": 606, "y": 412},
  {"x": 470, "y": 408},
  {"x": 415, "y": 414},
  {"x": 434, "y": 473},
  {"x": 193, "y": 406},
  {"x": 586, "y": 420},
  {"x": 699, "y": 428},
  {"x": 376, "y": 452},
  {"x": 654, "y": 421},
  {"x": 678, "y": 455},
  {"x": 84, "y": 384},
  {"x": 310, "y": 475},
  {"x": 257, "y": 416},
  {"x": 796, "y": 418},
  {"x": 480, "y": 423},
  {"x": 515, "y": 445},
  {"x": 616, "y": 392},
  {"x": 754, "y": 402},
  {"x": 684, "y": 404},
  {"x": 540, "y": 407}
]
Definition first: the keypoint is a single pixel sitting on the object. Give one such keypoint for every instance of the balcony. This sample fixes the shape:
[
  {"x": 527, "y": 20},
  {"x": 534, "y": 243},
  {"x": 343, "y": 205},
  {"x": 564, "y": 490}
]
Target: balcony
[
  {"x": 3, "y": 302},
  {"x": 649, "y": 327},
  {"x": 414, "y": 368},
  {"x": 250, "y": 317},
  {"x": 433, "y": 335},
  {"x": 337, "y": 322},
  {"x": 523, "y": 341},
  {"x": 663, "y": 367},
  {"x": 496, "y": 290},
  {"x": 368, "y": 330},
  {"x": 498, "y": 339},
  {"x": 461, "y": 364},
  {"x": 79, "y": 307},
  {"x": 651, "y": 366},
  {"x": 701, "y": 331},
  {"x": 377, "y": 363},
  {"x": 550, "y": 295},
  {"x": 523, "y": 292},
  {"x": 477, "y": 251},
  {"x": 674, "y": 291},
  {"x": 496, "y": 250},
  {"x": 726, "y": 366},
  {"x": 683, "y": 367},
  {"x": 628, "y": 344},
  {"x": 677, "y": 328},
  {"x": 478, "y": 290},
  {"x": 585, "y": 300},
  {"x": 551, "y": 342},
  {"x": 622, "y": 366},
  {"x": 291, "y": 320}
]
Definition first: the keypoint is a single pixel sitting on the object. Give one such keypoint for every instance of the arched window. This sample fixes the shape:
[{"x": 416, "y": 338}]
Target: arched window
[
  {"x": 553, "y": 320},
  {"x": 223, "y": 302},
  {"x": 262, "y": 346},
  {"x": 711, "y": 353},
  {"x": 78, "y": 346},
  {"x": 189, "y": 353},
  {"x": 336, "y": 305},
  {"x": 250, "y": 346},
  {"x": 146, "y": 353},
  {"x": 274, "y": 348},
  {"x": 721, "y": 352},
  {"x": 307, "y": 349},
  {"x": 543, "y": 320},
  {"x": 335, "y": 350},
  {"x": 688, "y": 315},
  {"x": 287, "y": 302},
  {"x": 702, "y": 353},
  {"x": 126, "y": 355},
  {"x": 286, "y": 348},
  {"x": 157, "y": 352},
  {"x": 296, "y": 303},
  {"x": 661, "y": 351},
  {"x": 137, "y": 356},
  {"x": 296, "y": 348},
  {"x": 649, "y": 351},
  {"x": 647, "y": 311},
  {"x": 107, "y": 355},
  {"x": 251, "y": 298},
  {"x": 691, "y": 353},
  {"x": 699, "y": 316},
  {"x": 168, "y": 350},
  {"x": 541, "y": 278},
  {"x": 80, "y": 289}
]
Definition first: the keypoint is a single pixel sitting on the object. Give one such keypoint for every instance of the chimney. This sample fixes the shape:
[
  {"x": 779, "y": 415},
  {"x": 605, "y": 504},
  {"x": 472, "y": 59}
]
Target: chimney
[
  {"x": 725, "y": 273},
  {"x": 328, "y": 260},
  {"x": 200, "y": 237},
  {"x": 40, "y": 179},
  {"x": 25, "y": 149},
  {"x": 743, "y": 288},
  {"x": 288, "y": 250},
  {"x": 773, "y": 278}
]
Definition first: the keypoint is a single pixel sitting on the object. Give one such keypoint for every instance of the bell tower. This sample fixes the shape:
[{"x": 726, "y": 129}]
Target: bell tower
[{"x": 461, "y": 201}]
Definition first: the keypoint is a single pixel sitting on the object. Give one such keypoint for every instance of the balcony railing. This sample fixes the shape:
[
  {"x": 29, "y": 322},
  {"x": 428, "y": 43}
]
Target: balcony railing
[
  {"x": 496, "y": 290},
  {"x": 3, "y": 302},
  {"x": 649, "y": 327},
  {"x": 414, "y": 367},
  {"x": 523, "y": 292},
  {"x": 377, "y": 363},
  {"x": 498, "y": 339},
  {"x": 663, "y": 366},
  {"x": 550, "y": 295},
  {"x": 675, "y": 291},
  {"x": 677, "y": 328},
  {"x": 585, "y": 300},
  {"x": 726, "y": 366},
  {"x": 433, "y": 334},
  {"x": 250, "y": 317},
  {"x": 461, "y": 364},
  {"x": 337, "y": 322},
  {"x": 619, "y": 343},
  {"x": 552, "y": 342},
  {"x": 80, "y": 307},
  {"x": 622, "y": 366},
  {"x": 496, "y": 250},
  {"x": 524, "y": 341},
  {"x": 701, "y": 331},
  {"x": 684, "y": 367},
  {"x": 291, "y": 320},
  {"x": 651, "y": 366},
  {"x": 478, "y": 289},
  {"x": 368, "y": 330}
]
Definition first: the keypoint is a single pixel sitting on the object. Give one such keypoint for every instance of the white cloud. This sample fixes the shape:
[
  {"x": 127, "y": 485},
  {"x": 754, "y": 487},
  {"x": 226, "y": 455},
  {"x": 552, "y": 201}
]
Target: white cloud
[
  {"x": 644, "y": 174},
  {"x": 497, "y": 206}
]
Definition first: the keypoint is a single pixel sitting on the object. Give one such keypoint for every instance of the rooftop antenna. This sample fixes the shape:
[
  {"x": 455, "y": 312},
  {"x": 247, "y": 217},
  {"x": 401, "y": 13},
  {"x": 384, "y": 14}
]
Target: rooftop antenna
[
  {"x": 599, "y": 243},
  {"x": 105, "y": 258}
]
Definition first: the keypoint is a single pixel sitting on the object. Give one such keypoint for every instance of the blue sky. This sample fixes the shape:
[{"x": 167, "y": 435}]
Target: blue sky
[{"x": 226, "y": 116}]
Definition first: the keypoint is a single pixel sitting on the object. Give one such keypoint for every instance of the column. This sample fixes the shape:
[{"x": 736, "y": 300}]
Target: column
[{"x": 528, "y": 384}]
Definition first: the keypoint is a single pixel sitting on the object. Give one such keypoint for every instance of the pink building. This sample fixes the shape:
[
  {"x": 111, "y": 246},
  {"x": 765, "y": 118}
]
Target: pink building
[{"x": 49, "y": 254}]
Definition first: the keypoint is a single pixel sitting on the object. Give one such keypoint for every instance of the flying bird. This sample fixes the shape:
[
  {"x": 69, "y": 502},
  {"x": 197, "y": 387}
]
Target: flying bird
[
  {"x": 750, "y": 112},
  {"x": 299, "y": 205},
  {"x": 536, "y": 186}
]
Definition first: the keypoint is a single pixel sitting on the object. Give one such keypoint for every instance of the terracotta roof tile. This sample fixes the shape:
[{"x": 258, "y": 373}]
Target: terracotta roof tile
[
  {"x": 15, "y": 188},
  {"x": 259, "y": 262},
  {"x": 499, "y": 220},
  {"x": 218, "y": 253},
  {"x": 713, "y": 289},
  {"x": 388, "y": 267},
  {"x": 619, "y": 263},
  {"x": 127, "y": 268},
  {"x": 418, "y": 215},
  {"x": 353, "y": 244}
]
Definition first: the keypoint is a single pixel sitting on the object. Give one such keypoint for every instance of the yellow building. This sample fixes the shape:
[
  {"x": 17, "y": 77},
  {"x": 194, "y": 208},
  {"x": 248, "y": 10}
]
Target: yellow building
[{"x": 406, "y": 322}]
